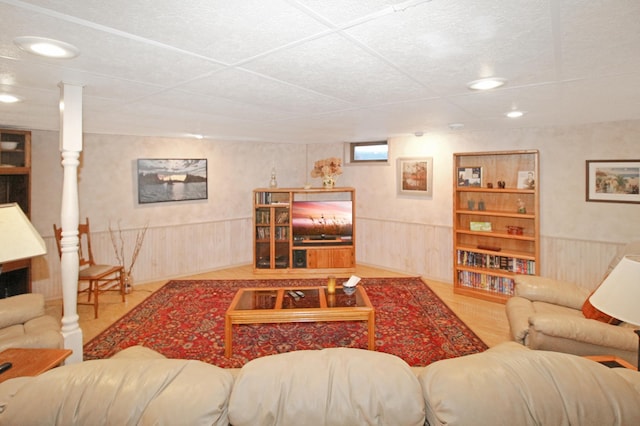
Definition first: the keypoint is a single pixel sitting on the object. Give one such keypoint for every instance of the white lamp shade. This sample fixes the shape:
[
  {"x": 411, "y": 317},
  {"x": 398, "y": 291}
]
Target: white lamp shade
[
  {"x": 619, "y": 294},
  {"x": 18, "y": 238}
]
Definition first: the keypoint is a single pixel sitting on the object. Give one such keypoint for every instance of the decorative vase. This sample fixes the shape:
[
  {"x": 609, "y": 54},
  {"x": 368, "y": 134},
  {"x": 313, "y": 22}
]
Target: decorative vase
[
  {"x": 128, "y": 283},
  {"x": 328, "y": 182}
]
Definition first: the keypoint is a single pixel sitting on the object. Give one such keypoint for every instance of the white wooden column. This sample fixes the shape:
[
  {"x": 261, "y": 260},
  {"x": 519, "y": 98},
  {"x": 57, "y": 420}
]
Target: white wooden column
[{"x": 70, "y": 147}]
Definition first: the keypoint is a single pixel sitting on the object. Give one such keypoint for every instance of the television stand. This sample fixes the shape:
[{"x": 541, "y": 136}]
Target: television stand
[{"x": 277, "y": 250}]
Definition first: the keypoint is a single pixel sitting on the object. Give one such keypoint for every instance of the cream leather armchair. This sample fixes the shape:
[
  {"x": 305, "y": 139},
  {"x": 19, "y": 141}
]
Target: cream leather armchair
[
  {"x": 547, "y": 314},
  {"x": 24, "y": 324}
]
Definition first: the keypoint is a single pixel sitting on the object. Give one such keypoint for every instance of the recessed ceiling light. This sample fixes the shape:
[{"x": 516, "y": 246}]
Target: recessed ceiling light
[
  {"x": 419, "y": 134},
  {"x": 7, "y": 98},
  {"x": 487, "y": 83},
  {"x": 456, "y": 126},
  {"x": 514, "y": 114},
  {"x": 47, "y": 47}
]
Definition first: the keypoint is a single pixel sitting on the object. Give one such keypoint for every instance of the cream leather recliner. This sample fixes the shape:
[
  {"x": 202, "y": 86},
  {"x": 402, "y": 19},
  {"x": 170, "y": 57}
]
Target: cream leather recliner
[
  {"x": 24, "y": 324},
  {"x": 547, "y": 314}
]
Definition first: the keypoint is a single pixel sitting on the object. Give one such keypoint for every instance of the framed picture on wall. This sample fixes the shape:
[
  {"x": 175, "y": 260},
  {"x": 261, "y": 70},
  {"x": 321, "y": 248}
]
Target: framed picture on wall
[
  {"x": 470, "y": 176},
  {"x": 171, "y": 179},
  {"x": 415, "y": 176},
  {"x": 613, "y": 181}
]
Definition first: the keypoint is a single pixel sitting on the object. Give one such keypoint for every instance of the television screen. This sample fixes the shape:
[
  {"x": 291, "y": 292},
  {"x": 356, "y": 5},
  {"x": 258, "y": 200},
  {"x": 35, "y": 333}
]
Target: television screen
[{"x": 318, "y": 220}]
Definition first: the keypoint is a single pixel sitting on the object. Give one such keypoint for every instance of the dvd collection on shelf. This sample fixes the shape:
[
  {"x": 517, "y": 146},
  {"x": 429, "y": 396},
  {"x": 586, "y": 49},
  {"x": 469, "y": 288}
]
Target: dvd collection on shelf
[
  {"x": 492, "y": 283},
  {"x": 492, "y": 261}
]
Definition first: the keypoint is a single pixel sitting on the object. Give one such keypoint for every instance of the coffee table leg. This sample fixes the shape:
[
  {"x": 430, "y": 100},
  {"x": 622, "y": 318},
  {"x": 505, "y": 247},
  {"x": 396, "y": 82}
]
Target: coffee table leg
[
  {"x": 228, "y": 339},
  {"x": 372, "y": 331}
]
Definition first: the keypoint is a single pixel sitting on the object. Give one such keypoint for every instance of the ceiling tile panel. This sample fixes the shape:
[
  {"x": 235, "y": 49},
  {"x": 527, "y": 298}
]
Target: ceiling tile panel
[
  {"x": 447, "y": 44},
  {"x": 227, "y": 31},
  {"x": 304, "y": 71},
  {"x": 599, "y": 37},
  {"x": 246, "y": 87},
  {"x": 335, "y": 66}
]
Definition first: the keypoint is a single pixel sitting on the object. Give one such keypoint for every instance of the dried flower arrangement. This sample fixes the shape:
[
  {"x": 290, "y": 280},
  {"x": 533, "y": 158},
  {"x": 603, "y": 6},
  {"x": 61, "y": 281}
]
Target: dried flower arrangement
[{"x": 327, "y": 169}]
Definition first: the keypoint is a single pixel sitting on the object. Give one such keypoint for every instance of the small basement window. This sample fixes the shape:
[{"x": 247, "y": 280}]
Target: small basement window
[{"x": 369, "y": 152}]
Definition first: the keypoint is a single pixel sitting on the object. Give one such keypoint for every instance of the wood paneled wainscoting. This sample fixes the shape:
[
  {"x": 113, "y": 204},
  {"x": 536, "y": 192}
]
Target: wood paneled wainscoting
[
  {"x": 425, "y": 250},
  {"x": 411, "y": 248},
  {"x": 167, "y": 251}
]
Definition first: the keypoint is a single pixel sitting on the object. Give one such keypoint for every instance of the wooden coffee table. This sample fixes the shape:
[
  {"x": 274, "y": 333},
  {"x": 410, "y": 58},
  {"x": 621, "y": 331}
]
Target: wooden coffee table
[
  {"x": 31, "y": 362},
  {"x": 314, "y": 304}
]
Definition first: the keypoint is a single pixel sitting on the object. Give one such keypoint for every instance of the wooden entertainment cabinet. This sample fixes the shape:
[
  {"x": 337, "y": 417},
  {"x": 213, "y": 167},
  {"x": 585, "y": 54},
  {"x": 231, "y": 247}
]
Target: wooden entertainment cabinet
[{"x": 278, "y": 248}]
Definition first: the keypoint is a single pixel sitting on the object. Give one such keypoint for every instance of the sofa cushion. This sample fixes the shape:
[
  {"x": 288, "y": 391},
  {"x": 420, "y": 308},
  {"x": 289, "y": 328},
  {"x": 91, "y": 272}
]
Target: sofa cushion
[
  {"x": 336, "y": 386},
  {"x": 138, "y": 352},
  {"x": 21, "y": 308},
  {"x": 510, "y": 384},
  {"x": 120, "y": 392}
]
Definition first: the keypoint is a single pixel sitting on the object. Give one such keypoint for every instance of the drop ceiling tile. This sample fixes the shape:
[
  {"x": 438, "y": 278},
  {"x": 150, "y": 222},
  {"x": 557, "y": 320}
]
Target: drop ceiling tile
[
  {"x": 227, "y": 31},
  {"x": 341, "y": 12},
  {"x": 336, "y": 67},
  {"x": 203, "y": 104},
  {"x": 246, "y": 87},
  {"x": 103, "y": 53},
  {"x": 47, "y": 76},
  {"x": 447, "y": 44},
  {"x": 599, "y": 38}
]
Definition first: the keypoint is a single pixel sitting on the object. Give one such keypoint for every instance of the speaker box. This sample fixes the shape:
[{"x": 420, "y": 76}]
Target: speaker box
[{"x": 299, "y": 258}]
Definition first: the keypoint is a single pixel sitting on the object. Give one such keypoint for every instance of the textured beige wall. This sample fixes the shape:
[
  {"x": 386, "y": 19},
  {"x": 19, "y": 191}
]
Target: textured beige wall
[{"x": 401, "y": 233}]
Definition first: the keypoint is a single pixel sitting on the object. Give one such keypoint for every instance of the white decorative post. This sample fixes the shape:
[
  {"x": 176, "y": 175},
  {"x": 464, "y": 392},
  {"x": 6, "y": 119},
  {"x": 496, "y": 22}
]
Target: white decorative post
[{"x": 70, "y": 147}]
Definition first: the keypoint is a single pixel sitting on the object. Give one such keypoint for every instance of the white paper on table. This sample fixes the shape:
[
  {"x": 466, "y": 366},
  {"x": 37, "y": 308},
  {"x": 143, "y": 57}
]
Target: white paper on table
[{"x": 352, "y": 281}]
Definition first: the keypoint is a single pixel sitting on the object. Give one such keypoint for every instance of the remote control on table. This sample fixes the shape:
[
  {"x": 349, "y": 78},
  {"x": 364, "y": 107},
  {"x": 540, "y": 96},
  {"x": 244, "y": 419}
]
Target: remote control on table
[{"x": 5, "y": 366}]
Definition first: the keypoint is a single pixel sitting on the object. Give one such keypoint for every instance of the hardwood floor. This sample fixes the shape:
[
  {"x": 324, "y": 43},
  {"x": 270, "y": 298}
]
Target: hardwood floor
[{"x": 487, "y": 319}]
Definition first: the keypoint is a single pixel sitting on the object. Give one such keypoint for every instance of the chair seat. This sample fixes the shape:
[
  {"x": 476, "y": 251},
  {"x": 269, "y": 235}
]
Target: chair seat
[
  {"x": 95, "y": 272},
  {"x": 93, "y": 278}
]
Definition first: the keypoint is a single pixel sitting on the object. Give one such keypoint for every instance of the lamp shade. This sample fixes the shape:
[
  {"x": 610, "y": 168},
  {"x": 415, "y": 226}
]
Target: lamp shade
[
  {"x": 18, "y": 238},
  {"x": 619, "y": 294}
]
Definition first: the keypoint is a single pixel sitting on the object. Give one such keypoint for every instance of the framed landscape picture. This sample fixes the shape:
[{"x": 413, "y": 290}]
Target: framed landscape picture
[
  {"x": 415, "y": 176},
  {"x": 613, "y": 181},
  {"x": 162, "y": 180}
]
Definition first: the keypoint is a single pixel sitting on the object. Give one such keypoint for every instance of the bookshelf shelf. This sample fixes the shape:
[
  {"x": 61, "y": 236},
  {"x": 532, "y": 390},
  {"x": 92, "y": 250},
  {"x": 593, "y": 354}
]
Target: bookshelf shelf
[{"x": 486, "y": 261}]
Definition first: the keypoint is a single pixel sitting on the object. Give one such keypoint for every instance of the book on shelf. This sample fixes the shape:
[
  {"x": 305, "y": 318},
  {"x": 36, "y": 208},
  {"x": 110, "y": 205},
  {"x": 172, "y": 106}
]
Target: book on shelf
[
  {"x": 492, "y": 283},
  {"x": 493, "y": 261}
]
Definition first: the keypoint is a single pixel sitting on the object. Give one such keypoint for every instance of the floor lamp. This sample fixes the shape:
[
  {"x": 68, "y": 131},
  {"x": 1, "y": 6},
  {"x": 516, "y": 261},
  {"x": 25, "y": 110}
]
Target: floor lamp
[
  {"x": 619, "y": 294},
  {"x": 18, "y": 238}
]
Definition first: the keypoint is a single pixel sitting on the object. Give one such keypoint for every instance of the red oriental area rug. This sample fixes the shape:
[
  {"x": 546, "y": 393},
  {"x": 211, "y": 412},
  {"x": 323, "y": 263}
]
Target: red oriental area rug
[{"x": 185, "y": 319}]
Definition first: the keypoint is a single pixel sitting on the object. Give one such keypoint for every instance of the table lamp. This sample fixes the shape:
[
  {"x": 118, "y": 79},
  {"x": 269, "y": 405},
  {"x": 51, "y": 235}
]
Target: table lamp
[
  {"x": 18, "y": 238},
  {"x": 619, "y": 293}
]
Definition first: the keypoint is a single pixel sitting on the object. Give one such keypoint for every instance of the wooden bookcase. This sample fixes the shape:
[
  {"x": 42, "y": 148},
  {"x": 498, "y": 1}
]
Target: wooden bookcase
[
  {"x": 15, "y": 187},
  {"x": 277, "y": 248},
  {"x": 496, "y": 221}
]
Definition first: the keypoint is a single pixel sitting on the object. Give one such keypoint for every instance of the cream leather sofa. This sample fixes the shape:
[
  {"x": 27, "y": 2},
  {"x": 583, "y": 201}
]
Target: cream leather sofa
[
  {"x": 547, "y": 314},
  {"x": 24, "y": 324},
  {"x": 506, "y": 385}
]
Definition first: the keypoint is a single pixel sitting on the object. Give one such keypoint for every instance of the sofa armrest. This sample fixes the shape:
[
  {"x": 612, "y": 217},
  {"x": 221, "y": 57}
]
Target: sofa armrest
[
  {"x": 585, "y": 330},
  {"x": 518, "y": 310},
  {"x": 20, "y": 309},
  {"x": 509, "y": 384},
  {"x": 548, "y": 290}
]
